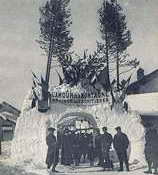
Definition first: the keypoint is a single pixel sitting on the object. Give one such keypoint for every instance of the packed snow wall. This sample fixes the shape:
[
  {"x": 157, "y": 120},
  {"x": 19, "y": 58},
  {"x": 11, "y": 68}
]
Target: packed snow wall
[{"x": 29, "y": 143}]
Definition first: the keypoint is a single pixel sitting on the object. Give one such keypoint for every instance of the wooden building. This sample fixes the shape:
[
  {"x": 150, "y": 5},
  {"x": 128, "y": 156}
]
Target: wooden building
[
  {"x": 145, "y": 83},
  {"x": 143, "y": 96},
  {"x": 8, "y": 118}
]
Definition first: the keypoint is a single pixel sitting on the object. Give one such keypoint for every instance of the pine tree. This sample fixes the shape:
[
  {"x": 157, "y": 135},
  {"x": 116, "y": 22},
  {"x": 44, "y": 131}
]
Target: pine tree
[
  {"x": 55, "y": 36},
  {"x": 55, "y": 39},
  {"x": 122, "y": 37},
  {"x": 116, "y": 37},
  {"x": 105, "y": 24}
]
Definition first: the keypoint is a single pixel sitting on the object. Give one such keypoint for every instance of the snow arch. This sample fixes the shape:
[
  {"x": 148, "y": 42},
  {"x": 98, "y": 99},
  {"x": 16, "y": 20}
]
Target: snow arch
[{"x": 29, "y": 139}]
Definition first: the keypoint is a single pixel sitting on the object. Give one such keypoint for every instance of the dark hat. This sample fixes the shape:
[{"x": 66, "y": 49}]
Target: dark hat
[
  {"x": 66, "y": 130},
  {"x": 118, "y": 128},
  {"x": 105, "y": 128},
  {"x": 51, "y": 129}
]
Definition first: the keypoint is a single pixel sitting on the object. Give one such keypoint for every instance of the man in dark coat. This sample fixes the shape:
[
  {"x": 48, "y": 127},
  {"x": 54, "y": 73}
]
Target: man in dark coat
[
  {"x": 83, "y": 146},
  {"x": 148, "y": 149},
  {"x": 151, "y": 149},
  {"x": 155, "y": 150},
  {"x": 98, "y": 147},
  {"x": 66, "y": 158},
  {"x": 51, "y": 141},
  {"x": 106, "y": 141},
  {"x": 76, "y": 148},
  {"x": 91, "y": 149},
  {"x": 121, "y": 144}
]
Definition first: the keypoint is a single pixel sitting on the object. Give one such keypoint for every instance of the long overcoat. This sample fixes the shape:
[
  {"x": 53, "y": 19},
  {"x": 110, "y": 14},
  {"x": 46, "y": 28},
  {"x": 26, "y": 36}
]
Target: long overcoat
[
  {"x": 121, "y": 142},
  {"x": 52, "y": 146},
  {"x": 151, "y": 146}
]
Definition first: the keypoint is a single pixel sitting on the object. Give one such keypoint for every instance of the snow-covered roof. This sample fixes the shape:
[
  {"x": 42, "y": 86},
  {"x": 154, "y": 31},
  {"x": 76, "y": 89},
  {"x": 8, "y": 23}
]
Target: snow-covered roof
[
  {"x": 145, "y": 104},
  {"x": 8, "y": 116}
]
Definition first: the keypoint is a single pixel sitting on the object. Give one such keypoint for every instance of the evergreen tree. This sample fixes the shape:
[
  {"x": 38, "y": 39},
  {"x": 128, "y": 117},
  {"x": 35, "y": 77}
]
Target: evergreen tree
[
  {"x": 105, "y": 22},
  {"x": 55, "y": 36},
  {"x": 55, "y": 39},
  {"x": 122, "y": 37},
  {"x": 116, "y": 37}
]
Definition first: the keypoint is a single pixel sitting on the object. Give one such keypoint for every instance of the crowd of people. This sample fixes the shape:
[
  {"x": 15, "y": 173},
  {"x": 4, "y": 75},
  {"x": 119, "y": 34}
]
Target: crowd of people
[{"x": 75, "y": 147}]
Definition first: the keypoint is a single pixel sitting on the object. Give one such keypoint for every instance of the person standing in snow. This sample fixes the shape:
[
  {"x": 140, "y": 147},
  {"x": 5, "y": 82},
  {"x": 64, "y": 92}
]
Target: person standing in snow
[
  {"x": 83, "y": 146},
  {"x": 151, "y": 149},
  {"x": 91, "y": 149},
  {"x": 155, "y": 150},
  {"x": 67, "y": 148},
  {"x": 106, "y": 141},
  {"x": 98, "y": 147},
  {"x": 76, "y": 149},
  {"x": 121, "y": 143},
  {"x": 51, "y": 159}
]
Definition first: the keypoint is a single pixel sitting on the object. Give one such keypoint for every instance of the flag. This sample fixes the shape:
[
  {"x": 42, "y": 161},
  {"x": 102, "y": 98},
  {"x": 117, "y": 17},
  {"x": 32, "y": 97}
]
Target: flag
[
  {"x": 34, "y": 75},
  {"x": 36, "y": 80},
  {"x": 34, "y": 84},
  {"x": 103, "y": 79},
  {"x": 42, "y": 80},
  {"x": 60, "y": 79},
  {"x": 124, "y": 90}
]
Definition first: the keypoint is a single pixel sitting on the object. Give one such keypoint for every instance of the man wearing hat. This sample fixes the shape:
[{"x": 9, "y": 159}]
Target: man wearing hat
[
  {"x": 51, "y": 141},
  {"x": 106, "y": 141},
  {"x": 121, "y": 144}
]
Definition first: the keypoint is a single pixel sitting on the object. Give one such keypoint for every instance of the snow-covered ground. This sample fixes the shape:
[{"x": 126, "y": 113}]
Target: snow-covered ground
[
  {"x": 18, "y": 170},
  {"x": 9, "y": 167}
]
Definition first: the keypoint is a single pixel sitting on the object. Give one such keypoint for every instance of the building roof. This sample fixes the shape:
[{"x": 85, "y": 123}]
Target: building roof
[
  {"x": 8, "y": 112},
  {"x": 134, "y": 87},
  {"x": 144, "y": 104},
  {"x": 9, "y": 116}
]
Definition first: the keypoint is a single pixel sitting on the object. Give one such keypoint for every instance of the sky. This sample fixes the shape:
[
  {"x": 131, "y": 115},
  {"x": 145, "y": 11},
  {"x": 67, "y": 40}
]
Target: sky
[{"x": 20, "y": 53}]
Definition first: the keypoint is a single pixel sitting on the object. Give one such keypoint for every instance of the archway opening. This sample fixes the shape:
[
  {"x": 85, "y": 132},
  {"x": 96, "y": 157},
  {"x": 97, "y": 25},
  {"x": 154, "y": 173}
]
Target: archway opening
[
  {"x": 75, "y": 134},
  {"x": 77, "y": 121}
]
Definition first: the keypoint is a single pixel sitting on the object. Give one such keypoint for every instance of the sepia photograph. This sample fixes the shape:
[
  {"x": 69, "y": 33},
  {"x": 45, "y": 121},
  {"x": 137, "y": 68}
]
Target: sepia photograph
[{"x": 78, "y": 87}]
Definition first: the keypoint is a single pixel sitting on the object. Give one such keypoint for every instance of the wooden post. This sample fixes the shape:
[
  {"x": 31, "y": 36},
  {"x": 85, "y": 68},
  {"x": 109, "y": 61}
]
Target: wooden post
[
  {"x": 49, "y": 61},
  {"x": 43, "y": 105}
]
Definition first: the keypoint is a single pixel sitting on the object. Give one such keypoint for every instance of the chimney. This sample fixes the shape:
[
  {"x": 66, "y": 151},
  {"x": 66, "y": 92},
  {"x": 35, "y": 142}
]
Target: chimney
[{"x": 140, "y": 74}]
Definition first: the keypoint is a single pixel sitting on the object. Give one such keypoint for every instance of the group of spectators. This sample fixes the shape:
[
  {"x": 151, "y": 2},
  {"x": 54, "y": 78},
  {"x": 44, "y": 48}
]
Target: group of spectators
[
  {"x": 76, "y": 145},
  {"x": 72, "y": 147}
]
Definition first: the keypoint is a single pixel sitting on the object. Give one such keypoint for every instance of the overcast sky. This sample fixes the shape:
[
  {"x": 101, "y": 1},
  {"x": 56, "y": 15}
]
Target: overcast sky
[{"x": 19, "y": 28}]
